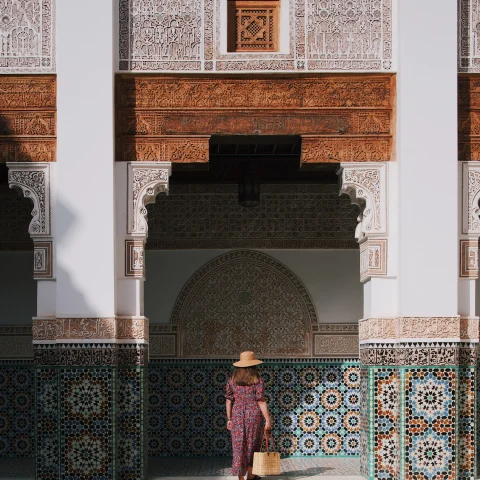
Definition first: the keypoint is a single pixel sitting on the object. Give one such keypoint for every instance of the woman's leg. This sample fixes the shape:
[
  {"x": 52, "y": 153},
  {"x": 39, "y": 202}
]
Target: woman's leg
[{"x": 250, "y": 475}]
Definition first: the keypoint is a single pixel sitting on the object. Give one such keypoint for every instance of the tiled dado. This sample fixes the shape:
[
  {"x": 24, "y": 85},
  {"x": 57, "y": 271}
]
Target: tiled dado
[
  {"x": 90, "y": 397},
  {"x": 418, "y": 410},
  {"x": 314, "y": 404}
]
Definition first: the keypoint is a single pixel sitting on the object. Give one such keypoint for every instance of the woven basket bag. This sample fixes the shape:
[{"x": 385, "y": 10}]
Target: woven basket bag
[{"x": 266, "y": 463}]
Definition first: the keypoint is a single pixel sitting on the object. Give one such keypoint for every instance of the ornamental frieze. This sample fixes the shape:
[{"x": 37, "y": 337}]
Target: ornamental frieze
[
  {"x": 340, "y": 118},
  {"x": 431, "y": 328},
  {"x": 28, "y": 119}
]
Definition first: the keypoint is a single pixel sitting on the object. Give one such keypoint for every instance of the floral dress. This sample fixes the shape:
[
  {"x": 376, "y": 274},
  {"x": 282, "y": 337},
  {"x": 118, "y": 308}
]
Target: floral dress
[{"x": 247, "y": 423}]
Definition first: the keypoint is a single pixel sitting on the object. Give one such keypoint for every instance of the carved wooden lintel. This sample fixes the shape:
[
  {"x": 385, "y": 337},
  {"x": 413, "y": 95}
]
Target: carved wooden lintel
[
  {"x": 332, "y": 149},
  {"x": 171, "y": 119},
  {"x": 164, "y": 149},
  {"x": 27, "y": 121}
]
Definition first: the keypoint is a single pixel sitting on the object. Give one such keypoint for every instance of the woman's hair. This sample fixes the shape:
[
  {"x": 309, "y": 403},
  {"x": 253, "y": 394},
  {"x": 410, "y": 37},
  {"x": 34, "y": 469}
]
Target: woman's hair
[{"x": 245, "y": 376}]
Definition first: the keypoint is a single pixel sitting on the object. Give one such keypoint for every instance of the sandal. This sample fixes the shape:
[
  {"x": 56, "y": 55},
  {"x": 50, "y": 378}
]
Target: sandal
[{"x": 255, "y": 477}]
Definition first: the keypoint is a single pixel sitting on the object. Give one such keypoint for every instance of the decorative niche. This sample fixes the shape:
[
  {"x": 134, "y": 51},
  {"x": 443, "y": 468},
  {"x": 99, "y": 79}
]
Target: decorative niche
[{"x": 253, "y": 25}]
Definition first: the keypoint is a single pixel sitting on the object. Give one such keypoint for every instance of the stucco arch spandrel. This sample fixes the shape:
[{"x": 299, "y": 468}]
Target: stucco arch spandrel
[{"x": 244, "y": 300}]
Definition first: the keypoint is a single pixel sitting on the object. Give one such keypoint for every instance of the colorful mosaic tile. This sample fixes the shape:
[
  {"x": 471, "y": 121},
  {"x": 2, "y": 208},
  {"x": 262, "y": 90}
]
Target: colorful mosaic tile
[
  {"x": 17, "y": 411},
  {"x": 386, "y": 434},
  {"x": 364, "y": 423},
  {"x": 315, "y": 408},
  {"x": 87, "y": 431},
  {"x": 466, "y": 423},
  {"x": 131, "y": 404},
  {"x": 46, "y": 398},
  {"x": 430, "y": 410}
]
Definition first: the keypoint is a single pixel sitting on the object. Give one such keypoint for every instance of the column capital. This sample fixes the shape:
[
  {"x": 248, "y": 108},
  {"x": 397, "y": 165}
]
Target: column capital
[
  {"x": 366, "y": 185},
  {"x": 33, "y": 179},
  {"x": 145, "y": 180}
]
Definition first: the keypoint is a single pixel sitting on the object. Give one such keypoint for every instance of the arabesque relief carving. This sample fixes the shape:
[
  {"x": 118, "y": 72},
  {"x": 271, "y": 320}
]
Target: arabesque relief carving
[
  {"x": 90, "y": 329},
  {"x": 411, "y": 328},
  {"x": 27, "y": 36},
  {"x": 186, "y": 35},
  {"x": 27, "y": 120},
  {"x": 340, "y": 118}
]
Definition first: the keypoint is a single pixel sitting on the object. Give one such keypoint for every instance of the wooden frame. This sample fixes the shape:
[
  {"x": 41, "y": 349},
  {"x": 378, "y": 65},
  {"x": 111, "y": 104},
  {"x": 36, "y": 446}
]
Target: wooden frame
[{"x": 237, "y": 9}]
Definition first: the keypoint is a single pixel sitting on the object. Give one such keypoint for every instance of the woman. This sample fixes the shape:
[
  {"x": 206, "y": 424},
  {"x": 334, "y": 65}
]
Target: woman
[{"x": 246, "y": 391}]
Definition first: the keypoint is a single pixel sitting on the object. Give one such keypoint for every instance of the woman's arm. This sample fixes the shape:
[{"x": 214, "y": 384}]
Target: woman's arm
[
  {"x": 228, "y": 407},
  {"x": 264, "y": 408}
]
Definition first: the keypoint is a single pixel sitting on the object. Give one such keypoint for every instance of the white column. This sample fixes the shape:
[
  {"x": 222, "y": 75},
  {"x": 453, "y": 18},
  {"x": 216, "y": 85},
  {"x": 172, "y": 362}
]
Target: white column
[
  {"x": 427, "y": 157},
  {"x": 85, "y": 156}
]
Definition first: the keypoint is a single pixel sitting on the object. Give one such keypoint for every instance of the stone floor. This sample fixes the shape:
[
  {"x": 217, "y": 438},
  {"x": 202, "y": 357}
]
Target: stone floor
[{"x": 211, "y": 468}]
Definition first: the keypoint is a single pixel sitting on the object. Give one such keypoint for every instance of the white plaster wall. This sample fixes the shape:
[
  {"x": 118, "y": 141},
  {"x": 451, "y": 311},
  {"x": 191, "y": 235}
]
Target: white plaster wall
[
  {"x": 18, "y": 290},
  {"x": 85, "y": 207},
  {"x": 427, "y": 157},
  {"x": 330, "y": 276}
]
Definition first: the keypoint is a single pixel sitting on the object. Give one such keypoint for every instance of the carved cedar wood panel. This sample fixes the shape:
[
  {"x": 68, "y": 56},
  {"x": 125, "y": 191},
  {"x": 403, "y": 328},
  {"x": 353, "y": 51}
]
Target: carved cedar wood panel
[
  {"x": 469, "y": 117},
  {"x": 27, "y": 118},
  {"x": 340, "y": 118},
  {"x": 244, "y": 300}
]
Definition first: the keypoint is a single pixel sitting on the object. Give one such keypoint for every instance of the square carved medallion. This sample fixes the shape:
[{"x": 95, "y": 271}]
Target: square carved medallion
[{"x": 253, "y": 25}]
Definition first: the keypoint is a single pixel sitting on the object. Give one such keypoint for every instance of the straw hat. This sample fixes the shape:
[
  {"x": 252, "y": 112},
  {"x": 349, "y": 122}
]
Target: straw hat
[{"x": 247, "y": 359}]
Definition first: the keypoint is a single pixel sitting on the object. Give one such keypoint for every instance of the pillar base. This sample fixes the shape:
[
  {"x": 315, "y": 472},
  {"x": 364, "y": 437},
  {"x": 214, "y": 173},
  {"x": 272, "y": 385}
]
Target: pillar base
[
  {"x": 91, "y": 411},
  {"x": 418, "y": 407}
]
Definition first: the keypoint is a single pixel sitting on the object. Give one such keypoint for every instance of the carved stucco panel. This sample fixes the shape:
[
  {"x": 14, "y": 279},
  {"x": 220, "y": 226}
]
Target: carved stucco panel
[
  {"x": 416, "y": 328},
  {"x": 33, "y": 180},
  {"x": 244, "y": 300},
  {"x": 469, "y": 36},
  {"x": 144, "y": 182},
  {"x": 186, "y": 35},
  {"x": 366, "y": 185},
  {"x": 27, "y": 36},
  {"x": 471, "y": 198}
]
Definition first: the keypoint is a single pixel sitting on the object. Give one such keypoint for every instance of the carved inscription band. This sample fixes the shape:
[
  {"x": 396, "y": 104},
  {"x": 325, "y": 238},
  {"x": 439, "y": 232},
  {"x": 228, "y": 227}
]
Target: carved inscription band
[
  {"x": 340, "y": 118},
  {"x": 78, "y": 330},
  {"x": 28, "y": 127},
  {"x": 418, "y": 328}
]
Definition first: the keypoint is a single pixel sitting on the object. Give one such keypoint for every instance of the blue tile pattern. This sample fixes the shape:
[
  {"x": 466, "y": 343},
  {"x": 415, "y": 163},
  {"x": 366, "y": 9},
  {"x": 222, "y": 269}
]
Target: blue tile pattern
[
  {"x": 17, "y": 411},
  {"x": 315, "y": 408}
]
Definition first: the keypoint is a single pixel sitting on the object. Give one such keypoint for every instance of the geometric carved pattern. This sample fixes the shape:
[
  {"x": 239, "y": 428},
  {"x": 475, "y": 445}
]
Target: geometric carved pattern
[
  {"x": 469, "y": 259},
  {"x": 373, "y": 258},
  {"x": 15, "y": 342},
  {"x": 421, "y": 353},
  {"x": 27, "y": 40},
  {"x": 469, "y": 36},
  {"x": 239, "y": 285},
  {"x": 209, "y": 216},
  {"x": 42, "y": 260},
  {"x": 341, "y": 118},
  {"x": 27, "y": 123},
  {"x": 134, "y": 261},
  {"x": 328, "y": 35},
  {"x": 314, "y": 405},
  {"x": 253, "y": 26}
]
